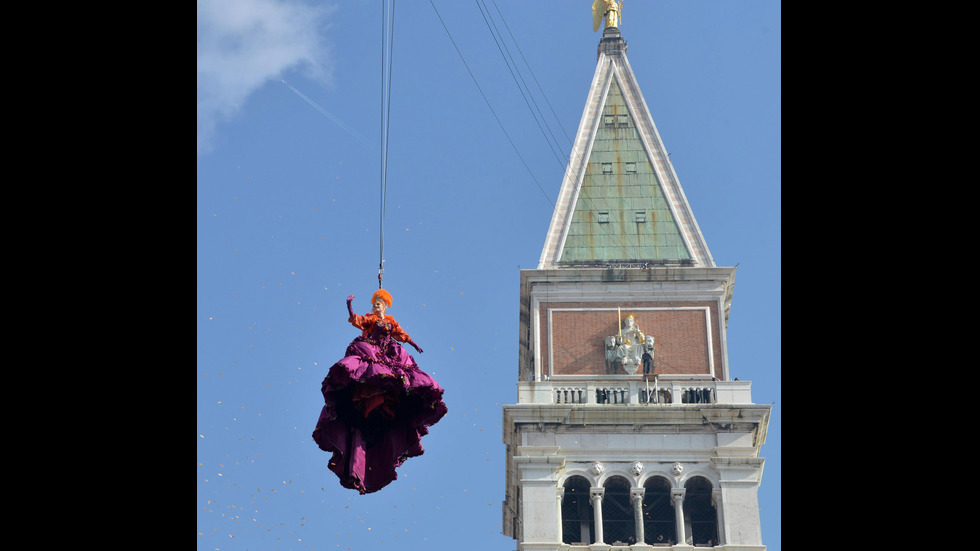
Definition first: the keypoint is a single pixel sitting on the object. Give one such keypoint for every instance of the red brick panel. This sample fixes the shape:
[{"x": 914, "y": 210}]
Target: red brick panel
[{"x": 681, "y": 340}]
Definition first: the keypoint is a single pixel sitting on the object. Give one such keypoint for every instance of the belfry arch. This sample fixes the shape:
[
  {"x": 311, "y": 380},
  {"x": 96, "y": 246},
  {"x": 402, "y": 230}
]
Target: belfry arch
[
  {"x": 577, "y": 518},
  {"x": 617, "y": 511},
  {"x": 658, "y": 512},
  {"x": 700, "y": 514}
]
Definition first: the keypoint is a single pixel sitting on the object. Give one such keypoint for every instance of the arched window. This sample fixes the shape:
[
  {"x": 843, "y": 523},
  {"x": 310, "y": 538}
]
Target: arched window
[
  {"x": 659, "y": 520},
  {"x": 618, "y": 523},
  {"x": 577, "y": 519},
  {"x": 699, "y": 512}
]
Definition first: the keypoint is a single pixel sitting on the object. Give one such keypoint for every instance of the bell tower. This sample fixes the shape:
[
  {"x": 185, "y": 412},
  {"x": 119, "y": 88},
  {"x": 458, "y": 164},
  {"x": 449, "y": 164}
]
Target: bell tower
[{"x": 628, "y": 427}]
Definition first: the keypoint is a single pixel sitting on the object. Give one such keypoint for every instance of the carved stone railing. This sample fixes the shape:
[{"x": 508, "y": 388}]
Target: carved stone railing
[
  {"x": 675, "y": 391},
  {"x": 570, "y": 394}
]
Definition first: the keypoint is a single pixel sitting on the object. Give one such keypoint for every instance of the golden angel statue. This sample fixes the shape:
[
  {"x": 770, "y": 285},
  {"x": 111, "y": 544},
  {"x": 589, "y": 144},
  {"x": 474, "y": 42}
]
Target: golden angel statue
[{"x": 608, "y": 9}]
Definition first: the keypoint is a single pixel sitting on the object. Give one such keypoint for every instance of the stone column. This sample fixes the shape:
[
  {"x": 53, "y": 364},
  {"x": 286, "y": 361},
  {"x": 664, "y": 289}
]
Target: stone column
[
  {"x": 717, "y": 501},
  {"x": 560, "y": 496},
  {"x": 538, "y": 479},
  {"x": 678, "y": 498},
  {"x": 636, "y": 496},
  {"x": 596, "y": 495}
]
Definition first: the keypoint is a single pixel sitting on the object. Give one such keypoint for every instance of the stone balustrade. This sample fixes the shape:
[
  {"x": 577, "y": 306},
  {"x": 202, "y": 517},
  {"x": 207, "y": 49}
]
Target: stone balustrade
[{"x": 649, "y": 392}]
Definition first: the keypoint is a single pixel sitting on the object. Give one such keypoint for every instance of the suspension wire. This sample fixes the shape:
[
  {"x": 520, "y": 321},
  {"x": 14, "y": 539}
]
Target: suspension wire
[
  {"x": 525, "y": 91},
  {"x": 543, "y": 95},
  {"x": 521, "y": 84},
  {"x": 387, "y": 40},
  {"x": 485, "y": 100}
]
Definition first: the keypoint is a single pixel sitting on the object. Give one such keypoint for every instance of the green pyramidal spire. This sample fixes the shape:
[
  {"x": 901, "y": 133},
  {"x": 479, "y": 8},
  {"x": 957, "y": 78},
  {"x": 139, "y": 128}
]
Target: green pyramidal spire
[{"x": 620, "y": 201}]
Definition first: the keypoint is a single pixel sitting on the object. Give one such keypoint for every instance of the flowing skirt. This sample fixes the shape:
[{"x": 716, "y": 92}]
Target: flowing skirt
[{"x": 378, "y": 405}]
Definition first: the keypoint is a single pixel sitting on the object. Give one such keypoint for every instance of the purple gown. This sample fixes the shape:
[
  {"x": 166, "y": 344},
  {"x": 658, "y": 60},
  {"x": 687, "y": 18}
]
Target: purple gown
[{"x": 378, "y": 405}]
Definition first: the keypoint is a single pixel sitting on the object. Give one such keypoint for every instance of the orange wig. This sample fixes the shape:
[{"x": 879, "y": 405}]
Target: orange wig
[{"x": 383, "y": 295}]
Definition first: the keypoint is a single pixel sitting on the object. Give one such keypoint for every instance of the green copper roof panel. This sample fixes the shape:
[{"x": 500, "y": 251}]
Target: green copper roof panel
[{"x": 621, "y": 212}]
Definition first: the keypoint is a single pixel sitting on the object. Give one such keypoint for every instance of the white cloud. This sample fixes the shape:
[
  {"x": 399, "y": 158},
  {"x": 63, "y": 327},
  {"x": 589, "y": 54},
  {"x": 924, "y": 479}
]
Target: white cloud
[{"x": 242, "y": 44}]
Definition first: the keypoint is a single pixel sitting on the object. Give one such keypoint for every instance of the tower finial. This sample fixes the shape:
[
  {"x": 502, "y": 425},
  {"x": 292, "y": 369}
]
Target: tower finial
[{"x": 608, "y": 9}]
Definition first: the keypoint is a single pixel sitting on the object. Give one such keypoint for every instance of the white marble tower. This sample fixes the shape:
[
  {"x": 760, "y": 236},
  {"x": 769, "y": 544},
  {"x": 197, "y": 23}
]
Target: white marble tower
[{"x": 628, "y": 432}]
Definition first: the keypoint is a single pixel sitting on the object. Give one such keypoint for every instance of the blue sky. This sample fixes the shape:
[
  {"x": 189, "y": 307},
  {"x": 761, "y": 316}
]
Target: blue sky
[{"x": 288, "y": 224}]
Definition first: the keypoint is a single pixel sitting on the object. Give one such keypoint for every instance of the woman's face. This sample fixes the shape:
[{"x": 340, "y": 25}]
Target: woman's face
[{"x": 380, "y": 307}]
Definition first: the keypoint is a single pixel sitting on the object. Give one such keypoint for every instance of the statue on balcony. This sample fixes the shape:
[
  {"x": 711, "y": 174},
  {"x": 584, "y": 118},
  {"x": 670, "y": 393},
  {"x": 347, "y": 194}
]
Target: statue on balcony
[
  {"x": 612, "y": 350},
  {"x": 629, "y": 348},
  {"x": 648, "y": 354}
]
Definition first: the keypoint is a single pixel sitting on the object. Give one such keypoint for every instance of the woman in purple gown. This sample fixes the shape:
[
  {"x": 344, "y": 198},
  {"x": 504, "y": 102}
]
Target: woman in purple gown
[{"x": 378, "y": 404}]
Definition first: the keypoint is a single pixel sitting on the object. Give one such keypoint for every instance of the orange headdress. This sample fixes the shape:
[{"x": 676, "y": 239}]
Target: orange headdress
[{"x": 383, "y": 295}]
